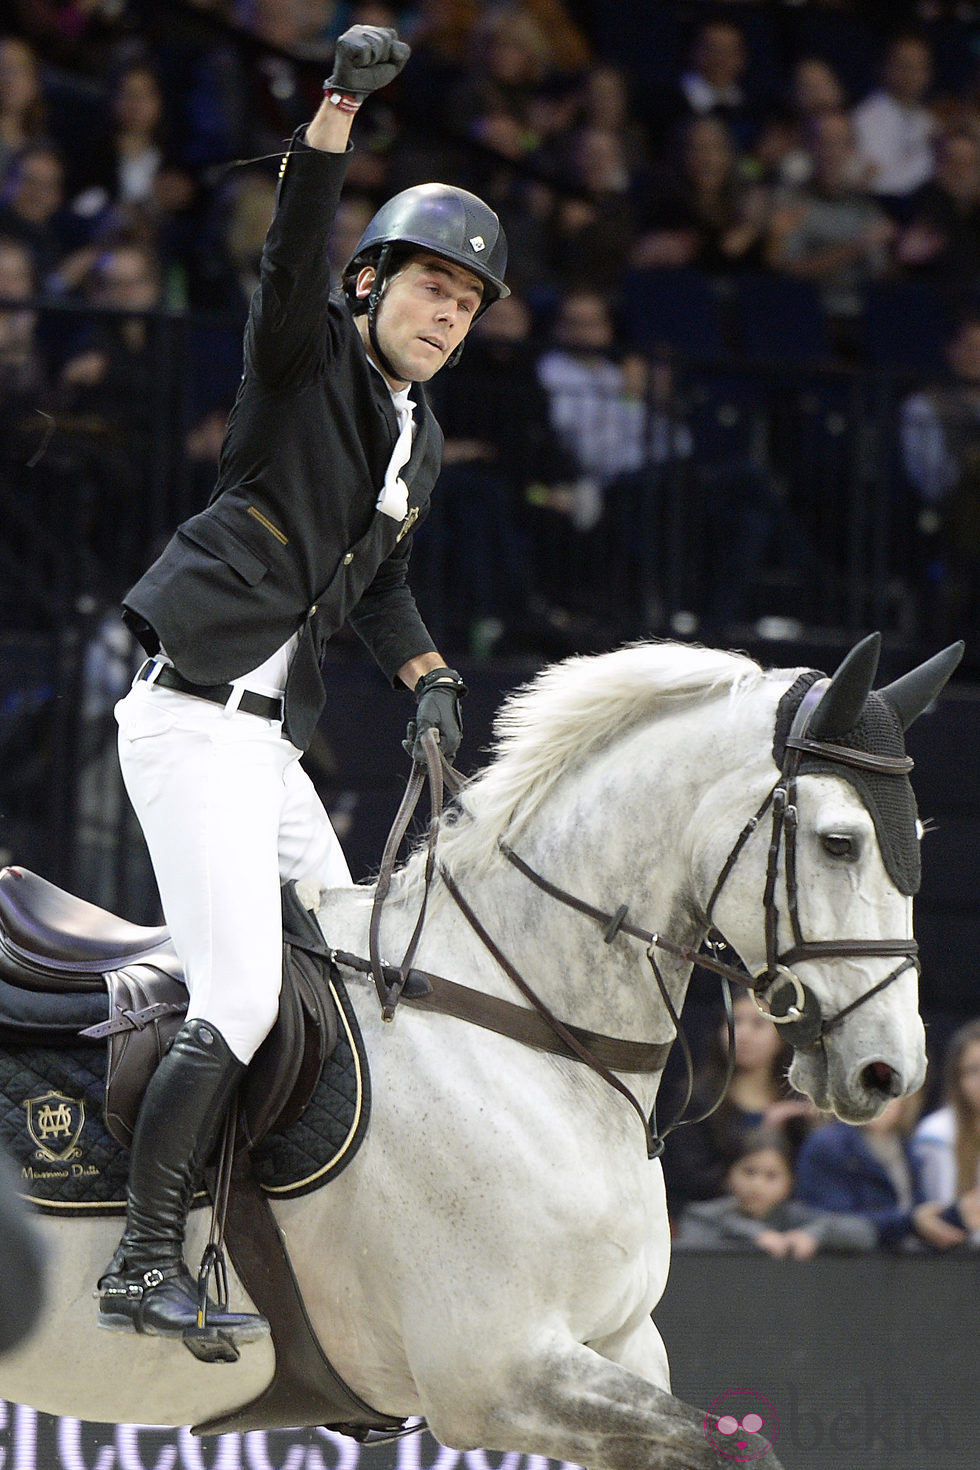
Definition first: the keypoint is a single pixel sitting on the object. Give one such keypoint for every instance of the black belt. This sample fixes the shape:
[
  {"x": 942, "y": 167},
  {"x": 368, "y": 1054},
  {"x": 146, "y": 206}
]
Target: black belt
[{"x": 252, "y": 704}]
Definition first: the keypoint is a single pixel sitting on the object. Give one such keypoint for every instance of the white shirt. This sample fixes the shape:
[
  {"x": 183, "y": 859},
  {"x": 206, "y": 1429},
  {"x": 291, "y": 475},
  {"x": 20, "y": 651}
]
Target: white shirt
[
  {"x": 933, "y": 1147},
  {"x": 393, "y": 500},
  {"x": 928, "y": 462},
  {"x": 897, "y": 141},
  {"x": 703, "y": 97},
  {"x": 593, "y": 417}
]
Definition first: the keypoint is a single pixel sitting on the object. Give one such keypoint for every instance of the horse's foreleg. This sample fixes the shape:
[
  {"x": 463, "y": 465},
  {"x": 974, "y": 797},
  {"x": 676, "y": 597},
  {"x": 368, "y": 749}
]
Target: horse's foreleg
[
  {"x": 639, "y": 1350},
  {"x": 571, "y": 1404}
]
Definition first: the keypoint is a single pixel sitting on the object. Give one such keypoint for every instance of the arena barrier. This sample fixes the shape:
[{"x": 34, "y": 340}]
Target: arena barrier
[{"x": 859, "y": 1362}]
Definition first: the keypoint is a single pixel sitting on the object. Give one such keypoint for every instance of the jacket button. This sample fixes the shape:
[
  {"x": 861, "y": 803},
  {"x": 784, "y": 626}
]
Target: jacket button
[{"x": 348, "y": 558}]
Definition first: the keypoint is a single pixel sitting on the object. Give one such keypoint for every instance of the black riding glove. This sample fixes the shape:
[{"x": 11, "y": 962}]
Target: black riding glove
[
  {"x": 438, "y": 694},
  {"x": 365, "y": 58}
]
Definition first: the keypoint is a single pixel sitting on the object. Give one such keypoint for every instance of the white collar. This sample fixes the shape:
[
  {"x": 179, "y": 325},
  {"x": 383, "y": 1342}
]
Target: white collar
[
  {"x": 702, "y": 96},
  {"x": 403, "y": 398}
]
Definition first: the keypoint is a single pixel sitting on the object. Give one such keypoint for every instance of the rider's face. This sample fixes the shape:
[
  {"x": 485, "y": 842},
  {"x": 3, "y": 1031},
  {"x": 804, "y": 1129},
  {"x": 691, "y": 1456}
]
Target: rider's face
[{"x": 425, "y": 312}]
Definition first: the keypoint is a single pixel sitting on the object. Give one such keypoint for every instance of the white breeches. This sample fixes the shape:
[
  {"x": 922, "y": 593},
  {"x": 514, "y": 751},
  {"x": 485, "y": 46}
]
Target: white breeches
[{"x": 228, "y": 814}]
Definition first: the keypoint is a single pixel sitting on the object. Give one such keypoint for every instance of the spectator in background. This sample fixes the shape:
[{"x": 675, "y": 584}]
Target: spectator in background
[
  {"x": 31, "y": 488},
  {"x": 106, "y": 390},
  {"x": 131, "y": 180},
  {"x": 440, "y": 39},
  {"x": 509, "y": 98},
  {"x": 940, "y": 444},
  {"x": 699, "y": 1155},
  {"x": 223, "y": 273},
  {"x": 593, "y": 226},
  {"x": 24, "y": 377},
  {"x": 869, "y": 1171},
  {"x": 713, "y": 85},
  {"x": 946, "y": 1144},
  {"x": 595, "y": 398},
  {"x": 570, "y": 51},
  {"x": 831, "y": 232},
  {"x": 780, "y": 150},
  {"x": 23, "y": 110},
  {"x": 757, "y": 1211},
  {"x": 279, "y": 90},
  {"x": 893, "y": 127},
  {"x": 606, "y": 103},
  {"x": 354, "y": 213},
  {"x": 23, "y": 371},
  {"x": 703, "y": 213},
  {"x": 120, "y": 167},
  {"x": 226, "y": 267},
  {"x": 76, "y": 34},
  {"x": 941, "y": 241},
  {"x": 32, "y": 210},
  {"x": 500, "y": 491},
  {"x": 512, "y": 96}
]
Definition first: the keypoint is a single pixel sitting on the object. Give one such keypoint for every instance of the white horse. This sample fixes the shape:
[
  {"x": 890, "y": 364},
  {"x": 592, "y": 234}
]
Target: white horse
[{"x": 491, "y": 1258}]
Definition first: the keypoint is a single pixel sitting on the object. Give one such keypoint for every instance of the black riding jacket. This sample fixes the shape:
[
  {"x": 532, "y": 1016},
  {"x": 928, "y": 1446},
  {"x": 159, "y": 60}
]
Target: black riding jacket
[{"x": 291, "y": 540}]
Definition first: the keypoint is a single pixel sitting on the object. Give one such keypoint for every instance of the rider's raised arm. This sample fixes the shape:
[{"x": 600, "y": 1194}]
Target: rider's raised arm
[{"x": 289, "y": 330}]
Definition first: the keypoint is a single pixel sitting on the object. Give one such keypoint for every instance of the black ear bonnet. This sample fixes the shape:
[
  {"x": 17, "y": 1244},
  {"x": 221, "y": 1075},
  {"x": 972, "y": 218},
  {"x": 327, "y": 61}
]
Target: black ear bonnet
[{"x": 888, "y": 798}]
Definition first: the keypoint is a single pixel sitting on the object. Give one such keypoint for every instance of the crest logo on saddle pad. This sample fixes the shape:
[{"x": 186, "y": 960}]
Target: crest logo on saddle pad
[{"x": 55, "y": 1123}]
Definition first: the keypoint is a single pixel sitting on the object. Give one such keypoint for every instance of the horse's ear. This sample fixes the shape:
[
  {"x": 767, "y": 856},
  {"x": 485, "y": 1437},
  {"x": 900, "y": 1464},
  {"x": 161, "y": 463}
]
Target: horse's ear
[
  {"x": 840, "y": 708},
  {"x": 916, "y": 690}
]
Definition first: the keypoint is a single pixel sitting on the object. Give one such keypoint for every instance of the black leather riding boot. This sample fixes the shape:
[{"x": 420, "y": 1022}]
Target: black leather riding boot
[{"x": 147, "y": 1287}]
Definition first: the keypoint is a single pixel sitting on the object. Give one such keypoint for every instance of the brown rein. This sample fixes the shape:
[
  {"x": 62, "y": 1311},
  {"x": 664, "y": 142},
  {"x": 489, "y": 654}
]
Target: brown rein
[{"x": 538, "y": 1027}]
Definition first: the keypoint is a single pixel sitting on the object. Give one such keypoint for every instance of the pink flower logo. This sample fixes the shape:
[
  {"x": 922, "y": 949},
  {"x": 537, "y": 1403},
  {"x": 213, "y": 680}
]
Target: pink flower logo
[{"x": 736, "y": 1415}]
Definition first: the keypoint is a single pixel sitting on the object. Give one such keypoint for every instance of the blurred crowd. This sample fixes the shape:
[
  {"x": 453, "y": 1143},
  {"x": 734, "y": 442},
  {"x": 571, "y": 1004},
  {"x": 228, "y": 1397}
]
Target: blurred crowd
[
  {"x": 675, "y": 182},
  {"x": 765, "y": 1171}
]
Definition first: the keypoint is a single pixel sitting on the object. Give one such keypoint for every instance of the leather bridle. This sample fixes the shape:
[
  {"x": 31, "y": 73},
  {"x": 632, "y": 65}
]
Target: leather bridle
[
  {"x": 791, "y": 1003},
  {"x": 776, "y": 988}
]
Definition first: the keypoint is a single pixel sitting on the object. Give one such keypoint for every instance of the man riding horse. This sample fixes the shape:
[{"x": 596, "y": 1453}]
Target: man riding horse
[{"x": 330, "y": 456}]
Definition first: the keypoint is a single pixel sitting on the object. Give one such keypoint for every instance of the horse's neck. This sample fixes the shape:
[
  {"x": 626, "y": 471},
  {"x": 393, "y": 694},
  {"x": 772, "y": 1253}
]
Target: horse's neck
[{"x": 612, "y": 833}]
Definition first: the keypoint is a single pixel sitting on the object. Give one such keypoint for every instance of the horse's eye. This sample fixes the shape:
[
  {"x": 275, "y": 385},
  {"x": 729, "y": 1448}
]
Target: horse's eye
[{"x": 838, "y": 844}]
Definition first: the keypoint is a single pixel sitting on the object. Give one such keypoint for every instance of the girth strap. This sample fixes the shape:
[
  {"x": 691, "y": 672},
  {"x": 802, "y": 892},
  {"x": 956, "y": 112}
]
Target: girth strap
[{"x": 306, "y": 1388}]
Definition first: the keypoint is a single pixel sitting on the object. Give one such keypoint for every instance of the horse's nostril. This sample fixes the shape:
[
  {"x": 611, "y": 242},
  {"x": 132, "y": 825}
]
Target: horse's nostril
[{"x": 880, "y": 1077}]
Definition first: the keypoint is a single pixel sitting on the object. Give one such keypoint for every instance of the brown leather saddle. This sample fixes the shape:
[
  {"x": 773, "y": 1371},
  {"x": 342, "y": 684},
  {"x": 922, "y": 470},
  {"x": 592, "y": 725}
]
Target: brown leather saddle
[{"x": 55, "y": 948}]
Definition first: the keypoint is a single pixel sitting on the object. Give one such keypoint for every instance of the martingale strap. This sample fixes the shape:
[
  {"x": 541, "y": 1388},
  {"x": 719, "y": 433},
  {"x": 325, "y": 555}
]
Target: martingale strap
[{"x": 428, "y": 992}]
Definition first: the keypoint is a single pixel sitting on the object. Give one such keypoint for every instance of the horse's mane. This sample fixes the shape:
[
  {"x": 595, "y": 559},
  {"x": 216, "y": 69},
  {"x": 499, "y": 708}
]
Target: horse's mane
[{"x": 568, "y": 712}]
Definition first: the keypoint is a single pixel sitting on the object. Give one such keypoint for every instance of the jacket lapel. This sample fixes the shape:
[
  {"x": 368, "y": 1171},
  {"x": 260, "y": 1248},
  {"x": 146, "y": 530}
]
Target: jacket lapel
[{"x": 420, "y": 440}]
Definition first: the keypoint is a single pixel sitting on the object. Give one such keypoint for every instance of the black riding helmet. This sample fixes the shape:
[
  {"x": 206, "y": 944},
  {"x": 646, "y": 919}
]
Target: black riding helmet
[{"x": 450, "y": 222}]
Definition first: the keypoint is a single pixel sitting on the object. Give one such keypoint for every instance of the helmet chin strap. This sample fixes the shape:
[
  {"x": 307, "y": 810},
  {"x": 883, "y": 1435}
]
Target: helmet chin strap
[{"x": 374, "y": 301}]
